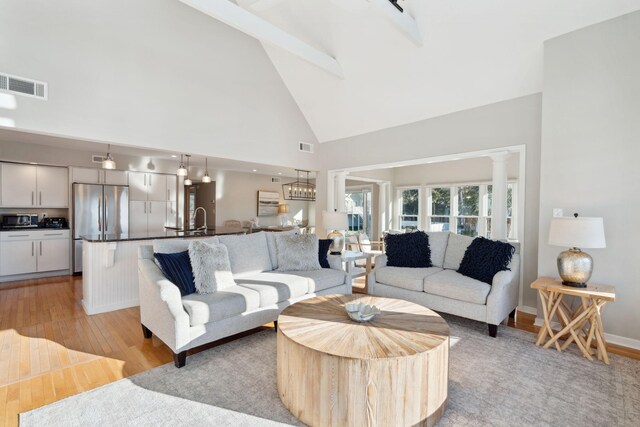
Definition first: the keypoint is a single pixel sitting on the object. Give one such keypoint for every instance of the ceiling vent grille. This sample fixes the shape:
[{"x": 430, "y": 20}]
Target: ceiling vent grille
[
  {"x": 97, "y": 158},
  {"x": 305, "y": 147},
  {"x": 23, "y": 86}
]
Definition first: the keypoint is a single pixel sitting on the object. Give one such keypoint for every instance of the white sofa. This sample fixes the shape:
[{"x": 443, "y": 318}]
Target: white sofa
[
  {"x": 441, "y": 288},
  {"x": 259, "y": 296}
]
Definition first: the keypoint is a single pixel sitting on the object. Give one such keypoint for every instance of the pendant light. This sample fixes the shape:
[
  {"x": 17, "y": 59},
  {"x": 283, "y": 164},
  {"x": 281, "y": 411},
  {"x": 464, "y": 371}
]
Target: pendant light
[
  {"x": 188, "y": 181},
  {"x": 108, "y": 162},
  {"x": 206, "y": 177},
  {"x": 182, "y": 171}
]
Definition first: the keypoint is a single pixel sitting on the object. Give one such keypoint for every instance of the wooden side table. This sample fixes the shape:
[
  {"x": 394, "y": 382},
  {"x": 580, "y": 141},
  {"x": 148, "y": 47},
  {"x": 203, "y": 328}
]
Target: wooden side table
[
  {"x": 583, "y": 324},
  {"x": 350, "y": 258}
]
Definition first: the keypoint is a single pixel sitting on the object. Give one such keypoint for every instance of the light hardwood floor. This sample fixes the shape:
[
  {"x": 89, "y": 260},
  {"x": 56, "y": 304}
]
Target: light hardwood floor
[{"x": 50, "y": 349}]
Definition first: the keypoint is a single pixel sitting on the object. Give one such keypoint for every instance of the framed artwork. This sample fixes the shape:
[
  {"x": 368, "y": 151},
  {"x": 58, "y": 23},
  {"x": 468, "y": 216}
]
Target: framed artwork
[{"x": 268, "y": 202}]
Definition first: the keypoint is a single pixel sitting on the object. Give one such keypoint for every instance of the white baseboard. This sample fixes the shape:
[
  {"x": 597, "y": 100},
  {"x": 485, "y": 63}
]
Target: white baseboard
[
  {"x": 111, "y": 307},
  {"x": 611, "y": 339},
  {"x": 527, "y": 309}
]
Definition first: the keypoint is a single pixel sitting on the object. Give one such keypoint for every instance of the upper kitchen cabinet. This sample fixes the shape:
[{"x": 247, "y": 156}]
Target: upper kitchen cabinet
[
  {"x": 99, "y": 176},
  {"x": 26, "y": 186},
  {"x": 149, "y": 186}
]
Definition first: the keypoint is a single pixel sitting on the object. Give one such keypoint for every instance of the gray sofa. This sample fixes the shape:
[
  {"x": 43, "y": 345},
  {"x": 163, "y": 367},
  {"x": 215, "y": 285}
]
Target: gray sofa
[
  {"x": 441, "y": 288},
  {"x": 259, "y": 296}
]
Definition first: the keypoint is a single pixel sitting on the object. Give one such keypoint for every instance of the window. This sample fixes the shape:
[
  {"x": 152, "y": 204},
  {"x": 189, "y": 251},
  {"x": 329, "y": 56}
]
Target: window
[
  {"x": 466, "y": 209},
  {"x": 409, "y": 202},
  {"x": 358, "y": 207}
]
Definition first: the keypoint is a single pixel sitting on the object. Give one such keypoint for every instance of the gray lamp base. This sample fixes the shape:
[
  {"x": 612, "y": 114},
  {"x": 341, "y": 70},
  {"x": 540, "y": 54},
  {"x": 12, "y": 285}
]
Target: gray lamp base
[
  {"x": 338, "y": 242},
  {"x": 575, "y": 267}
]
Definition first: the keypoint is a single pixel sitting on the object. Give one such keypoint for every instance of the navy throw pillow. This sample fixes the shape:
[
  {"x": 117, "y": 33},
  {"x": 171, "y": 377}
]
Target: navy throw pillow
[
  {"x": 177, "y": 268},
  {"x": 408, "y": 250},
  {"x": 323, "y": 250},
  {"x": 484, "y": 258}
]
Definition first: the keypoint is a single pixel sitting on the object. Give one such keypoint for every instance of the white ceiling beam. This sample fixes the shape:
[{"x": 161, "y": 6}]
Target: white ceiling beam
[
  {"x": 260, "y": 5},
  {"x": 401, "y": 20},
  {"x": 242, "y": 20}
]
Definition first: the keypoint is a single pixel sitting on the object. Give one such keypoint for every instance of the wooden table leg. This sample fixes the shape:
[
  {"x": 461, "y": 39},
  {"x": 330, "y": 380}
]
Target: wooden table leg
[
  {"x": 602, "y": 343},
  {"x": 548, "y": 299},
  {"x": 569, "y": 327},
  {"x": 577, "y": 325},
  {"x": 369, "y": 265}
]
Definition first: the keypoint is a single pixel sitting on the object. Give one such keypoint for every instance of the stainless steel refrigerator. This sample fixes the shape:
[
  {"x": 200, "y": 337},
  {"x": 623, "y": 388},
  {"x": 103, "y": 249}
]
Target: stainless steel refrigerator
[{"x": 98, "y": 210}]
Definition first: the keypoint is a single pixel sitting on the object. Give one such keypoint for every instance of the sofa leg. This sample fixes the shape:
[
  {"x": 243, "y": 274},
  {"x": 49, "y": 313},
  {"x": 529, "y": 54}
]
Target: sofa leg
[
  {"x": 493, "y": 330},
  {"x": 180, "y": 359},
  {"x": 275, "y": 326},
  {"x": 146, "y": 332},
  {"x": 512, "y": 315}
]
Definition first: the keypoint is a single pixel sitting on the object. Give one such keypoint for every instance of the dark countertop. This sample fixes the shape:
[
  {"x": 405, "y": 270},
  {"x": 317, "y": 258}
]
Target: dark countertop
[
  {"x": 172, "y": 234},
  {"x": 31, "y": 229}
]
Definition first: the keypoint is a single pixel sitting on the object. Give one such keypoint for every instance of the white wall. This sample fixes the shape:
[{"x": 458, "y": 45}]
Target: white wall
[
  {"x": 150, "y": 73},
  {"x": 590, "y": 152},
  {"x": 503, "y": 124},
  {"x": 478, "y": 169},
  {"x": 237, "y": 198}
]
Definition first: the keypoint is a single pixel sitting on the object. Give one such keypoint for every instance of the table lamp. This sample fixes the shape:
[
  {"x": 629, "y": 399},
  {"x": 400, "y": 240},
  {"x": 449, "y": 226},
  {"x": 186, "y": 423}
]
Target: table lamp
[
  {"x": 335, "y": 221},
  {"x": 575, "y": 267},
  {"x": 283, "y": 209}
]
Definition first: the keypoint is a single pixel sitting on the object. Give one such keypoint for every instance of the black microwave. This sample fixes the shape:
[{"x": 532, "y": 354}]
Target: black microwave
[{"x": 19, "y": 220}]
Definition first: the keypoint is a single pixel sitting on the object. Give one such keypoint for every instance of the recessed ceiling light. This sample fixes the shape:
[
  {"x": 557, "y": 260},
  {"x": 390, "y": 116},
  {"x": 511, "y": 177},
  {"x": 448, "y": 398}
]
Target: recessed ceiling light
[
  {"x": 279, "y": 173},
  {"x": 32, "y": 163},
  {"x": 255, "y": 170},
  {"x": 174, "y": 156}
]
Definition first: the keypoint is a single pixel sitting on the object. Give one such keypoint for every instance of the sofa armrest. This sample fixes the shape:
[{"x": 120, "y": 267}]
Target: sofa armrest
[
  {"x": 503, "y": 297},
  {"x": 379, "y": 262},
  {"x": 161, "y": 307}
]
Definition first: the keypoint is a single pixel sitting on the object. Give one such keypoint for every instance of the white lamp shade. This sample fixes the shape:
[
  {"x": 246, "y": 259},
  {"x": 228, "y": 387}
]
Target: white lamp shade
[
  {"x": 580, "y": 232},
  {"x": 108, "y": 163},
  {"x": 206, "y": 178},
  {"x": 335, "y": 220}
]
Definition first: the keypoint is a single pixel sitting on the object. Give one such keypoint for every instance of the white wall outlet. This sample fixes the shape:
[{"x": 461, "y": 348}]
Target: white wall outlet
[{"x": 557, "y": 212}]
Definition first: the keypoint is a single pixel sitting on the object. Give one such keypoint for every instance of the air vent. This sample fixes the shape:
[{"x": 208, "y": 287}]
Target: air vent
[
  {"x": 275, "y": 179},
  {"x": 97, "y": 158},
  {"x": 23, "y": 86},
  {"x": 305, "y": 147}
]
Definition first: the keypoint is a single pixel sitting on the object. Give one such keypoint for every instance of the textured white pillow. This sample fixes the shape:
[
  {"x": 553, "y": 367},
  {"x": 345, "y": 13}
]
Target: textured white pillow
[
  {"x": 297, "y": 252},
  {"x": 211, "y": 267}
]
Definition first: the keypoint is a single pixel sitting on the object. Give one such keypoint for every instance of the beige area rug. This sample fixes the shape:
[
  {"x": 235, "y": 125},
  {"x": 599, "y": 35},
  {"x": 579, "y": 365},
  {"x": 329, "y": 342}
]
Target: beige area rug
[{"x": 502, "y": 381}]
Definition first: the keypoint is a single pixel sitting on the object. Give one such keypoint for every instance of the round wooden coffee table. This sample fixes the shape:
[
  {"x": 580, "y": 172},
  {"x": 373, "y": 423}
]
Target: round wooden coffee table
[{"x": 333, "y": 371}]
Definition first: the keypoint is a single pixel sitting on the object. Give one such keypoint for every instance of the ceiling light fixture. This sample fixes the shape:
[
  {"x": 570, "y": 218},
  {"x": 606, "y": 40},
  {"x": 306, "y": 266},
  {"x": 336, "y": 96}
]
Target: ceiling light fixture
[
  {"x": 182, "y": 171},
  {"x": 108, "y": 162},
  {"x": 206, "y": 177},
  {"x": 396, "y": 5},
  {"x": 187, "y": 180},
  {"x": 299, "y": 190}
]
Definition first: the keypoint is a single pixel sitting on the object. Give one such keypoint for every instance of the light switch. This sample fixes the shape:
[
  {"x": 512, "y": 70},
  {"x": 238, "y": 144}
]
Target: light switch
[{"x": 557, "y": 212}]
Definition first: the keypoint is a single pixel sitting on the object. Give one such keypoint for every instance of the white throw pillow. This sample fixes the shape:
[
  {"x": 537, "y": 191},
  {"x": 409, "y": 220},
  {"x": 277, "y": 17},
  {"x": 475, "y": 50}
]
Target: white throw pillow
[
  {"x": 211, "y": 267},
  {"x": 297, "y": 252}
]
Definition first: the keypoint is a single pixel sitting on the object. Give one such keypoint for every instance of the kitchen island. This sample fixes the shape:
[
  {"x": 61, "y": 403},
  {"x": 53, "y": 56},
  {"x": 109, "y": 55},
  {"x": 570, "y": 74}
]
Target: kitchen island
[{"x": 110, "y": 266}]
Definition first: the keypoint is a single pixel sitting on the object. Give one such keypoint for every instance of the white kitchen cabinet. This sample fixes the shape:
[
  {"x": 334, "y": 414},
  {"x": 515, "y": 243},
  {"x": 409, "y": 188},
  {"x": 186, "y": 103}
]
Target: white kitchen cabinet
[
  {"x": 172, "y": 214},
  {"x": 26, "y": 186},
  {"x": 53, "y": 187},
  {"x": 138, "y": 186},
  {"x": 18, "y": 257},
  {"x": 157, "y": 188},
  {"x": 137, "y": 216},
  {"x": 53, "y": 254},
  {"x": 148, "y": 186},
  {"x": 157, "y": 216},
  {"x": 99, "y": 176},
  {"x": 172, "y": 188},
  {"x": 85, "y": 175},
  {"x": 19, "y": 185},
  {"x": 147, "y": 216},
  {"x": 111, "y": 177},
  {"x": 32, "y": 251}
]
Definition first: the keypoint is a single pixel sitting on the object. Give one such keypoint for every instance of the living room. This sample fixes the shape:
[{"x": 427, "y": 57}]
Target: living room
[{"x": 422, "y": 98}]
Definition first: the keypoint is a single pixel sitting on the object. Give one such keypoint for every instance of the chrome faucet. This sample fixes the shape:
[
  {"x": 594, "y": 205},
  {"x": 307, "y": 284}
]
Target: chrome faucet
[{"x": 193, "y": 218}]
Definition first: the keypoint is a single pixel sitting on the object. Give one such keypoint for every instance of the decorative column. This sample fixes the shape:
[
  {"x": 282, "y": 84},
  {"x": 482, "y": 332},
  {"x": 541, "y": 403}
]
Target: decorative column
[
  {"x": 341, "y": 178},
  {"x": 499, "y": 195},
  {"x": 383, "y": 198}
]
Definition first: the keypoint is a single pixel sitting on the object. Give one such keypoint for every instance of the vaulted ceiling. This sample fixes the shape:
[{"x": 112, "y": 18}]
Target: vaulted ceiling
[{"x": 473, "y": 53}]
